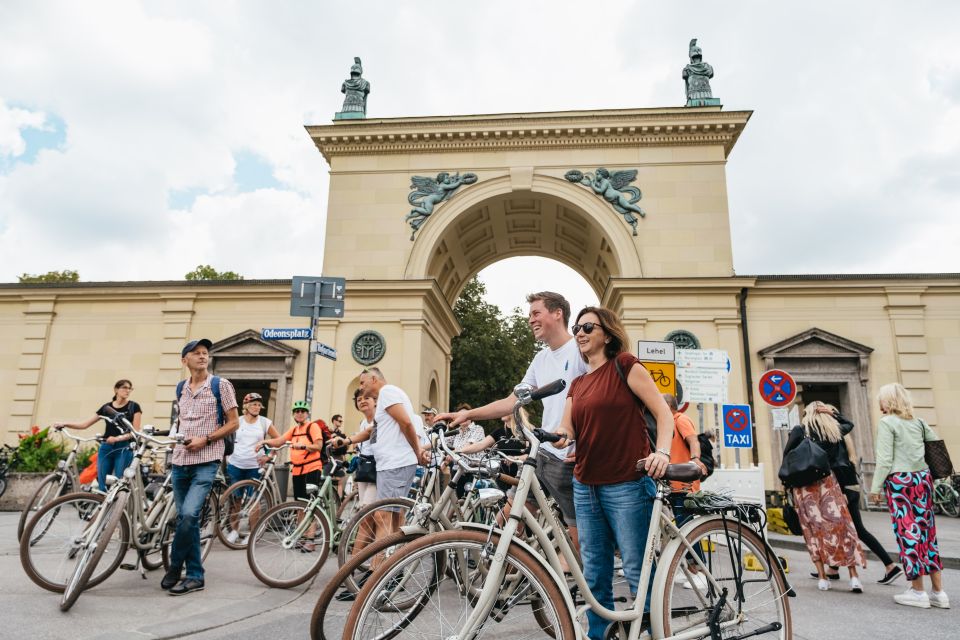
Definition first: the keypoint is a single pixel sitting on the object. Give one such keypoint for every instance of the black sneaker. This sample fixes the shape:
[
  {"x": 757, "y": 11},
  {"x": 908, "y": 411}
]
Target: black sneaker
[
  {"x": 186, "y": 587},
  {"x": 891, "y": 575},
  {"x": 170, "y": 579}
]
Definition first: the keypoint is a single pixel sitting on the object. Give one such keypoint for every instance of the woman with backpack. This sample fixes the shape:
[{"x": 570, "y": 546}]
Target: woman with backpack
[{"x": 828, "y": 529}]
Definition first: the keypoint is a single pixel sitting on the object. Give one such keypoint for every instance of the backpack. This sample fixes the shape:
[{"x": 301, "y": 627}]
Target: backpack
[
  {"x": 706, "y": 453},
  {"x": 215, "y": 389}
]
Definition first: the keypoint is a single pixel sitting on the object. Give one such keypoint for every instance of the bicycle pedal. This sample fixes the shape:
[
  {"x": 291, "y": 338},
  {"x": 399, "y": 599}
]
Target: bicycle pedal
[
  {"x": 128, "y": 567},
  {"x": 784, "y": 564}
]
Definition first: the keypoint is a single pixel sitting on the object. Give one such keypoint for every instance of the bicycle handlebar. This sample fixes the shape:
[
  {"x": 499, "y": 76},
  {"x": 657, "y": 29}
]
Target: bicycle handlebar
[
  {"x": 547, "y": 390},
  {"x": 63, "y": 431}
]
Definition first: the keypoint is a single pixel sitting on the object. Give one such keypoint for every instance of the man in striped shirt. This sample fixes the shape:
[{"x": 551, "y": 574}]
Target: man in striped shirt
[{"x": 195, "y": 462}]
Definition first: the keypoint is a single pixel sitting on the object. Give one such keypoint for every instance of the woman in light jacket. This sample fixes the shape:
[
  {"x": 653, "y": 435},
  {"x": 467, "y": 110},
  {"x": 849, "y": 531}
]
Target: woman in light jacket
[{"x": 903, "y": 474}]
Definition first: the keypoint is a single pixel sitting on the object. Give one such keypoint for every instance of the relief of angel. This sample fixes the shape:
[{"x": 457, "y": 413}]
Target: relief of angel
[
  {"x": 429, "y": 192},
  {"x": 614, "y": 189}
]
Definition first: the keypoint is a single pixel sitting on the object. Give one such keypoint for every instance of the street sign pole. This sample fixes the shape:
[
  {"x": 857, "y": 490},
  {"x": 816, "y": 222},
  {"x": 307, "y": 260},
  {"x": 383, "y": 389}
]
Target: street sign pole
[{"x": 311, "y": 361}]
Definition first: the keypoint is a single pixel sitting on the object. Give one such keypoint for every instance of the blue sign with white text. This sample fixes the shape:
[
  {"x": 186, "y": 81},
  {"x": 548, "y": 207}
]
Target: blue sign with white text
[
  {"x": 737, "y": 429},
  {"x": 300, "y": 333}
]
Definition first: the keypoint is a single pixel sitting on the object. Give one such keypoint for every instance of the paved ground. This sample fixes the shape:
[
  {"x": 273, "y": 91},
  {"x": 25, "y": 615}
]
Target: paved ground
[{"x": 236, "y": 606}]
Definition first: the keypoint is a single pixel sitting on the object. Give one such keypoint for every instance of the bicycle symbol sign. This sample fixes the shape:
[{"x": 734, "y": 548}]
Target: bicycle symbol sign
[
  {"x": 664, "y": 375},
  {"x": 777, "y": 388},
  {"x": 736, "y": 426}
]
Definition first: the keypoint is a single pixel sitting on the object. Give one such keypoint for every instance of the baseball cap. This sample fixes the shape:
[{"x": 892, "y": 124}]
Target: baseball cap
[
  {"x": 193, "y": 344},
  {"x": 429, "y": 410},
  {"x": 252, "y": 397}
]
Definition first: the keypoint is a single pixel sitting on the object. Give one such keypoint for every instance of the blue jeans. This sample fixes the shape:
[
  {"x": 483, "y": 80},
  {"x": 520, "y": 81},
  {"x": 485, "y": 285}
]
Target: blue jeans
[
  {"x": 612, "y": 516},
  {"x": 112, "y": 459},
  {"x": 191, "y": 486}
]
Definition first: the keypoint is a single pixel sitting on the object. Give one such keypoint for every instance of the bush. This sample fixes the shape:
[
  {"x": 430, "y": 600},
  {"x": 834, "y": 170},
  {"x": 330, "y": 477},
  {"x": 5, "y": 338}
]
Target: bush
[
  {"x": 37, "y": 452},
  {"x": 83, "y": 457}
]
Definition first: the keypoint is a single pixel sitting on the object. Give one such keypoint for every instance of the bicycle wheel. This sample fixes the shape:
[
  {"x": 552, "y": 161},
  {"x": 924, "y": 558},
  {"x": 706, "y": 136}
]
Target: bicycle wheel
[
  {"x": 240, "y": 507},
  {"x": 945, "y": 497},
  {"x": 282, "y": 552},
  {"x": 53, "y": 486},
  {"x": 368, "y": 524},
  {"x": 50, "y": 543},
  {"x": 441, "y": 604},
  {"x": 208, "y": 526},
  {"x": 689, "y": 600},
  {"x": 331, "y": 611},
  {"x": 348, "y": 507},
  {"x": 93, "y": 551}
]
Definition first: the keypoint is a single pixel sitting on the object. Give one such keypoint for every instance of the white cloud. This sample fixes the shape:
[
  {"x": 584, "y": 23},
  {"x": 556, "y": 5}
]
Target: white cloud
[{"x": 849, "y": 163}]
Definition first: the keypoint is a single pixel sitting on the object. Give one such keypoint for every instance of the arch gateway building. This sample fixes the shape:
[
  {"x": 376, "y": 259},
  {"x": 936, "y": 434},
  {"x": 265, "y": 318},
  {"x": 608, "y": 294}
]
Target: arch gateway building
[{"x": 417, "y": 206}]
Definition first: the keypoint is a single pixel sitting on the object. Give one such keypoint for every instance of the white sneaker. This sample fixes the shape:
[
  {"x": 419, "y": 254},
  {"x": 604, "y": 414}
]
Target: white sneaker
[
  {"x": 939, "y": 599},
  {"x": 233, "y": 536},
  {"x": 823, "y": 585},
  {"x": 696, "y": 580},
  {"x": 913, "y": 598},
  {"x": 855, "y": 585}
]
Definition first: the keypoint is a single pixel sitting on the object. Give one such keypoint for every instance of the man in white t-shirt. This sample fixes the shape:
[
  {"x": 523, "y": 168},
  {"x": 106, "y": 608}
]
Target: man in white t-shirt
[
  {"x": 394, "y": 439},
  {"x": 549, "y": 318}
]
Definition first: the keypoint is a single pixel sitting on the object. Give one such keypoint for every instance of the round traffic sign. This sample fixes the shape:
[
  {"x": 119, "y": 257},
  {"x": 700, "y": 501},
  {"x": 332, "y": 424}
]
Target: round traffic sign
[
  {"x": 735, "y": 420},
  {"x": 777, "y": 388}
]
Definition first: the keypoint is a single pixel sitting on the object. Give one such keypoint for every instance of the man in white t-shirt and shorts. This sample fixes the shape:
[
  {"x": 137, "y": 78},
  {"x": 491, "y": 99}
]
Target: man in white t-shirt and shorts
[
  {"x": 549, "y": 318},
  {"x": 395, "y": 442}
]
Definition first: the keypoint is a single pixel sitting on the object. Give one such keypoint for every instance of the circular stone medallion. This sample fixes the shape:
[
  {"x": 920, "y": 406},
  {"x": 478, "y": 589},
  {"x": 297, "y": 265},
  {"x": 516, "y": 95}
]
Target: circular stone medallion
[
  {"x": 368, "y": 347},
  {"x": 683, "y": 339}
]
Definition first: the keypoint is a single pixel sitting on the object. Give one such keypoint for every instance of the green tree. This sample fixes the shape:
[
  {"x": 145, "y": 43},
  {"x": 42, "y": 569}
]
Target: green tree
[
  {"x": 50, "y": 276},
  {"x": 492, "y": 353},
  {"x": 206, "y": 272}
]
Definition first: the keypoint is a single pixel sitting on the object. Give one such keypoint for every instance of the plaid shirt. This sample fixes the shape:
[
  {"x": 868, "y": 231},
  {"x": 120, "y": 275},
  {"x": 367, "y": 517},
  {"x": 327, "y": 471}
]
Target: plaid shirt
[{"x": 198, "y": 418}]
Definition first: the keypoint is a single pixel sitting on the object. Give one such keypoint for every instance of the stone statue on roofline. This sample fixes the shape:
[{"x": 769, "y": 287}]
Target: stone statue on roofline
[
  {"x": 696, "y": 76},
  {"x": 355, "y": 88}
]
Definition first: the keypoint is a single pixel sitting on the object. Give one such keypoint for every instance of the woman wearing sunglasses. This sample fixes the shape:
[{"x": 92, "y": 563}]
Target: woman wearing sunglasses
[{"x": 613, "y": 500}]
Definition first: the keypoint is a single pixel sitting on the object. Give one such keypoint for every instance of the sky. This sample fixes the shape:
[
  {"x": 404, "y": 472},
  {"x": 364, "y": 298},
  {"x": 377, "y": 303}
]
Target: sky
[{"x": 139, "y": 139}]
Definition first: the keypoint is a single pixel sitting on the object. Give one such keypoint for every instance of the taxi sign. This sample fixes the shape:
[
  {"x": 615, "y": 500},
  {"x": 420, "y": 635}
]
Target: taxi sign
[{"x": 737, "y": 426}]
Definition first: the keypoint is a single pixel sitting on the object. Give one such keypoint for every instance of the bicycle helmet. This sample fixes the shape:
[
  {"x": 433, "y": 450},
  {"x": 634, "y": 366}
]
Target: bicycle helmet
[{"x": 300, "y": 405}]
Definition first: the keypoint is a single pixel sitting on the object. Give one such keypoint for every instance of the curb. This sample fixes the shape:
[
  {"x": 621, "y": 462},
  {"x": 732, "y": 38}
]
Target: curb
[{"x": 799, "y": 545}]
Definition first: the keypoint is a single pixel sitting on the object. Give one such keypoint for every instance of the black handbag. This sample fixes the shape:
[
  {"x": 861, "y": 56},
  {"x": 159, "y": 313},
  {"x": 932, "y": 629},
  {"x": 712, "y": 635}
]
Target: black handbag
[
  {"x": 792, "y": 518},
  {"x": 366, "y": 469},
  {"x": 804, "y": 465}
]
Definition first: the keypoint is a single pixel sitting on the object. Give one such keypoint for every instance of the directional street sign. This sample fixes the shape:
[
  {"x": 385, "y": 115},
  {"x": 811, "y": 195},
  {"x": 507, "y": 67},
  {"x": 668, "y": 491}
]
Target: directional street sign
[
  {"x": 313, "y": 292},
  {"x": 301, "y": 333},
  {"x": 704, "y": 374},
  {"x": 703, "y": 359},
  {"x": 777, "y": 388},
  {"x": 655, "y": 351},
  {"x": 737, "y": 430},
  {"x": 325, "y": 350},
  {"x": 664, "y": 374}
]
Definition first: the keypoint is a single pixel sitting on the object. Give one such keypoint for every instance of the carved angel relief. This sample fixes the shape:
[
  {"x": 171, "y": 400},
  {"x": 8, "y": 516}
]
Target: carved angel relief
[
  {"x": 613, "y": 188},
  {"x": 429, "y": 192}
]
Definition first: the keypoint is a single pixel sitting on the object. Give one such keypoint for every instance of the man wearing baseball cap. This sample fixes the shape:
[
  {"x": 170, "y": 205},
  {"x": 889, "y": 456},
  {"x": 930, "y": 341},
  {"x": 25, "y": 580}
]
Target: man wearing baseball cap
[{"x": 195, "y": 462}]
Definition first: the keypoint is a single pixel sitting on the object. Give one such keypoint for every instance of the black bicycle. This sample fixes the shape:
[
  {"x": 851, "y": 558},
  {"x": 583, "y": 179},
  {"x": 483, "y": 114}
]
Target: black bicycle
[{"x": 8, "y": 458}]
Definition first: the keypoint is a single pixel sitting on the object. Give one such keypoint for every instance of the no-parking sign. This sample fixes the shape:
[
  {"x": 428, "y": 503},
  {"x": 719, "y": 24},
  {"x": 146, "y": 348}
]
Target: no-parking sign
[
  {"x": 777, "y": 388},
  {"x": 737, "y": 431}
]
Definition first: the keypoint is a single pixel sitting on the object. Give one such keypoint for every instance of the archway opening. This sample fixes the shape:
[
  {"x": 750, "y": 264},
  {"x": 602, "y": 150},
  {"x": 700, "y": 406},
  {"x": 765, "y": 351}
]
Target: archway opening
[{"x": 509, "y": 281}]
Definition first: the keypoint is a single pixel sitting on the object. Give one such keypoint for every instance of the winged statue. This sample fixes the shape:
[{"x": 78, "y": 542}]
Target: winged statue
[
  {"x": 429, "y": 192},
  {"x": 615, "y": 189}
]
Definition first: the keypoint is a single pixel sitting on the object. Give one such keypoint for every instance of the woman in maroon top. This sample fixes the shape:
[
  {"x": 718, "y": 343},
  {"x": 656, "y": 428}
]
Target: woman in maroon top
[{"x": 613, "y": 500}]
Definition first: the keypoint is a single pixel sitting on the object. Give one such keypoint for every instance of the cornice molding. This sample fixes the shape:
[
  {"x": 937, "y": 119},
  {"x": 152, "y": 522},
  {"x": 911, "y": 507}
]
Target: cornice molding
[{"x": 518, "y": 131}]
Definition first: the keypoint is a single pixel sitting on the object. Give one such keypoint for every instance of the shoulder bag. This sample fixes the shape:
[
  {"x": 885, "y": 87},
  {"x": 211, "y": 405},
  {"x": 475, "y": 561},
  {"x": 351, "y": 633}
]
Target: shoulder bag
[
  {"x": 805, "y": 464},
  {"x": 366, "y": 469},
  {"x": 936, "y": 454},
  {"x": 648, "y": 416}
]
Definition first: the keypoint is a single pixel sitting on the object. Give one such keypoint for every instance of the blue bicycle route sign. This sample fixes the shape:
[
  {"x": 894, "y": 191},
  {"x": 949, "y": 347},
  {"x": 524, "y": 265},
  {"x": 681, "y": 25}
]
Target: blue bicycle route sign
[{"x": 737, "y": 431}]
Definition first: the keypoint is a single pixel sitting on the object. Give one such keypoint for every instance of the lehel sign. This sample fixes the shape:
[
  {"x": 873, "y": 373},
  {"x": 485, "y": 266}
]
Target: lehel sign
[
  {"x": 664, "y": 374},
  {"x": 655, "y": 351}
]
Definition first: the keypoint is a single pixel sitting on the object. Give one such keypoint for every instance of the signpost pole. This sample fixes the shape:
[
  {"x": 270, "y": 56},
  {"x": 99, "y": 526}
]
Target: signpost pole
[{"x": 311, "y": 364}]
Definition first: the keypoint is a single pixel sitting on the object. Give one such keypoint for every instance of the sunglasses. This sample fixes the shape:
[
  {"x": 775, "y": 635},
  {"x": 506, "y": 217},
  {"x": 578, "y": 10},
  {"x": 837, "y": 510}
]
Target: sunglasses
[{"x": 587, "y": 327}]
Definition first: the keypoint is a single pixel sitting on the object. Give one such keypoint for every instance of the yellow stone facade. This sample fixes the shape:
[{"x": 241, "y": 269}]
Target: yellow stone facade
[{"x": 63, "y": 346}]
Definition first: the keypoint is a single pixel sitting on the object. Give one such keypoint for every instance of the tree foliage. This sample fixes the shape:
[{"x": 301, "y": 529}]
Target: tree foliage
[
  {"x": 492, "y": 353},
  {"x": 50, "y": 276},
  {"x": 206, "y": 272}
]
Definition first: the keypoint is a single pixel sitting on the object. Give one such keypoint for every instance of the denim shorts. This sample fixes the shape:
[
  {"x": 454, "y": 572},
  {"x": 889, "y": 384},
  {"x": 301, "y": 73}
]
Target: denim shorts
[{"x": 236, "y": 474}]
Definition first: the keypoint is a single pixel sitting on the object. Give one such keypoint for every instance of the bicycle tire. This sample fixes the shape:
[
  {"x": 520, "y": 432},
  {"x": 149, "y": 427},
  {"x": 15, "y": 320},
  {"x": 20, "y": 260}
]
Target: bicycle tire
[
  {"x": 3, "y": 486},
  {"x": 349, "y": 532},
  {"x": 328, "y": 625},
  {"x": 370, "y": 603},
  {"x": 63, "y": 523},
  {"x": 685, "y": 608},
  {"x": 347, "y": 508},
  {"x": 91, "y": 557},
  {"x": 267, "y": 541},
  {"x": 227, "y": 508},
  {"x": 208, "y": 520},
  {"x": 42, "y": 496}
]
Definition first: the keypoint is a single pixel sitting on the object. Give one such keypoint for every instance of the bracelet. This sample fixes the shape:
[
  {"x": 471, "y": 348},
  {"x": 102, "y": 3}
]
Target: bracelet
[{"x": 666, "y": 453}]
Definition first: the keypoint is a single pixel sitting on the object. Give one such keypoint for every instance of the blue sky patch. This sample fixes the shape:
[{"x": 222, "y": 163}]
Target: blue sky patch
[
  {"x": 251, "y": 172},
  {"x": 52, "y": 135}
]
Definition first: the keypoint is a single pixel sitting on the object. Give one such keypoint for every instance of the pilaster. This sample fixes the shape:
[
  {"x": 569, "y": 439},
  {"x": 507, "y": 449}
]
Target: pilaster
[
  {"x": 38, "y": 318},
  {"x": 177, "y": 311},
  {"x": 907, "y": 313}
]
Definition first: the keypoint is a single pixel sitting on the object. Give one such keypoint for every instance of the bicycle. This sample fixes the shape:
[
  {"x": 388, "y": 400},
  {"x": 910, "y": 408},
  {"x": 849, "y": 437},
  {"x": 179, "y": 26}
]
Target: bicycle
[
  {"x": 66, "y": 479},
  {"x": 946, "y": 498},
  {"x": 8, "y": 458},
  {"x": 291, "y": 541},
  {"x": 244, "y": 501},
  {"x": 64, "y": 544},
  {"x": 497, "y": 574}
]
